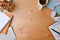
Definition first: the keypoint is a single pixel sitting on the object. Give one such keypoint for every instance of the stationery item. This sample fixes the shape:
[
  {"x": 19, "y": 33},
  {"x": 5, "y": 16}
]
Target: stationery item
[
  {"x": 42, "y": 3},
  {"x": 55, "y": 30},
  {"x": 11, "y": 33},
  {"x": 4, "y": 31},
  {"x": 4, "y": 19},
  {"x": 9, "y": 36}
]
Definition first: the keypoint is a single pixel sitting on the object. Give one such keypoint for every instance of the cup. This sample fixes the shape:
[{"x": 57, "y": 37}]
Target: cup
[{"x": 42, "y": 3}]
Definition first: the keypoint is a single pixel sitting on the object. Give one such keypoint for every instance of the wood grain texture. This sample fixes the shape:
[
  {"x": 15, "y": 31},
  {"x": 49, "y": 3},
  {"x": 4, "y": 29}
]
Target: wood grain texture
[{"x": 29, "y": 22}]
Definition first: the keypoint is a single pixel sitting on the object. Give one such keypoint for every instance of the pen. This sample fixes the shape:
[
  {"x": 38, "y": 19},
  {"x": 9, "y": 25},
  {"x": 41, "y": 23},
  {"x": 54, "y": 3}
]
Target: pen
[{"x": 56, "y": 31}]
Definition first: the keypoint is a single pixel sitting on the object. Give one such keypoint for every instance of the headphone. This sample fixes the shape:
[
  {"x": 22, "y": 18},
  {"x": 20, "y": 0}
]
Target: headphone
[
  {"x": 56, "y": 5},
  {"x": 53, "y": 13}
]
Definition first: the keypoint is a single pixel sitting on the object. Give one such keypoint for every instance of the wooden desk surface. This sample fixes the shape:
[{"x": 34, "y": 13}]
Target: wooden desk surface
[{"x": 29, "y": 22}]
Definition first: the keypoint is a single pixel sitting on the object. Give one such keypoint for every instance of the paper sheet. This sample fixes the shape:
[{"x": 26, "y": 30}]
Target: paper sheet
[
  {"x": 55, "y": 26},
  {"x": 9, "y": 36},
  {"x": 4, "y": 31},
  {"x": 4, "y": 19}
]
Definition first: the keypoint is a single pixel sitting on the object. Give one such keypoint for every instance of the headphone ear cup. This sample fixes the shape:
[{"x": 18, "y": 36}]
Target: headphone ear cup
[
  {"x": 57, "y": 8},
  {"x": 53, "y": 14},
  {"x": 57, "y": 18}
]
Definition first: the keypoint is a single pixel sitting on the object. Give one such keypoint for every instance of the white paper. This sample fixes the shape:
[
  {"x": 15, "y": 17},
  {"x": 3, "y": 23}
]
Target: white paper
[
  {"x": 55, "y": 26},
  {"x": 9, "y": 36},
  {"x": 11, "y": 33},
  {"x": 4, "y": 19}
]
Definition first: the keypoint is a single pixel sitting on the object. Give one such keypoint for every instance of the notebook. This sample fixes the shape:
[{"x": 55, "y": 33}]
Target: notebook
[
  {"x": 11, "y": 32},
  {"x": 9, "y": 36},
  {"x": 4, "y": 31},
  {"x": 4, "y": 19},
  {"x": 55, "y": 26}
]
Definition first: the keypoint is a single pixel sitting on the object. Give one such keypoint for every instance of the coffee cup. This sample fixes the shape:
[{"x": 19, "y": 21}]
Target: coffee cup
[{"x": 42, "y": 3}]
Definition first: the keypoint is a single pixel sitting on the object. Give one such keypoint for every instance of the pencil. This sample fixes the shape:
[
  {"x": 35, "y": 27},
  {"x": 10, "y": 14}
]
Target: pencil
[{"x": 56, "y": 31}]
